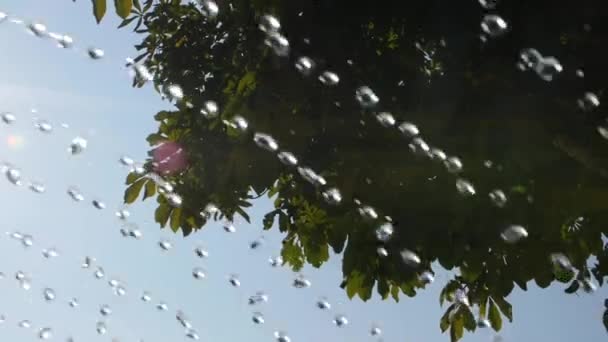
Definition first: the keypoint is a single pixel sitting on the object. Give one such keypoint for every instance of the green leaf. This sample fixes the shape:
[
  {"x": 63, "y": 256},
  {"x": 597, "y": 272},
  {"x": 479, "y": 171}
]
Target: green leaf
[
  {"x": 469, "y": 319},
  {"x": 355, "y": 281},
  {"x": 133, "y": 191},
  {"x": 137, "y": 5},
  {"x": 457, "y": 329},
  {"x": 605, "y": 319},
  {"x": 383, "y": 288},
  {"x": 505, "y": 307},
  {"x": 161, "y": 214},
  {"x": 123, "y": 7},
  {"x": 444, "y": 322},
  {"x": 126, "y": 22},
  {"x": 494, "y": 316},
  {"x": 150, "y": 189},
  {"x": 243, "y": 214},
  {"x": 522, "y": 284},
  {"x": 395, "y": 292},
  {"x": 482, "y": 307},
  {"x": 176, "y": 216},
  {"x": 574, "y": 286},
  {"x": 132, "y": 177},
  {"x": 99, "y": 9}
]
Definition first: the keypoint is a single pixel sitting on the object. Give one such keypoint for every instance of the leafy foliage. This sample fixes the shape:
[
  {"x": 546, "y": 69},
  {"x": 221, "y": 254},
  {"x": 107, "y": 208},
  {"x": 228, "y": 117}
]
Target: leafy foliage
[{"x": 513, "y": 132}]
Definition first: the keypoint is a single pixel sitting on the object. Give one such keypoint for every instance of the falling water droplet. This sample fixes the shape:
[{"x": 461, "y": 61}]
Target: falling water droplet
[
  {"x": 78, "y": 145},
  {"x": 95, "y": 53},
  {"x": 275, "y": 261},
  {"x": 323, "y": 304},
  {"x": 75, "y": 194},
  {"x": 494, "y": 25},
  {"x": 257, "y": 318},
  {"x": 340, "y": 321},
  {"x": 514, "y": 233},
  {"x": 301, "y": 282},
  {"x": 258, "y": 298},
  {"x": 489, "y": 4},
  {"x": 332, "y": 196},
  {"x": 426, "y": 277},
  {"x": 384, "y": 232},
  {"x": 99, "y": 273},
  {"x": 305, "y": 65},
  {"x": 287, "y": 158},
  {"x": 183, "y": 319},
  {"x": 266, "y": 142},
  {"x": 74, "y": 303},
  {"x": 13, "y": 175},
  {"x": 312, "y": 177},
  {"x": 192, "y": 334},
  {"x": 37, "y": 187},
  {"x": 367, "y": 212},
  {"x": 329, "y": 78},
  {"x": 105, "y": 310},
  {"x": 162, "y": 306},
  {"x": 37, "y": 29},
  {"x": 588, "y": 102},
  {"x": 233, "y": 279},
  {"x": 25, "y": 324},
  {"x": 229, "y": 228},
  {"x": 145, "y": 297},
  {"x": 281, "y": 336},
  {"x": 8, "y": 118},
  {"x": 50, "y": 253},
  {"x": 366, "y": 97},
  {"x": 198, "y": 273},
  {"x": 548, "y": 68},
  {"x": 27, "y": 240},
  {"x": 278, "y": 43},
  {"x": 49, "y": 294},
  {"x": 385, "y": 119},
  {"x": 269, "y": 24},
  {"x": 382, "y": 252},
  {"x": 98, "y": 204},
  {"x": 453, "y": 164}
]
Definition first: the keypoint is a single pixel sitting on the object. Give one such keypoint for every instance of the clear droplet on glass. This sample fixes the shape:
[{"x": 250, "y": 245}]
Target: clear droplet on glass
[
  {"x": 266, "y": 142},
  {"x": 95, "y": 53},
  {"x": 78, "y": 145},
  {"x": 375, "y": 331},
  {"x": 498, "y": 197},
  {"x": 229, "y": 228},
  {"x": 366, "y": 97},
  {"x": 50, "y": 253},
  {"x": 426, "y": 277},
  {"x": 419, "y": 146},
  {"x": 329, "y": 78},
  {"x": 183, "y": 319},
  {"x": 126, "y": 161},
  {"x": 27, "y": 240},
  {"x": 287, "y": 158},
  {"x": 13, "y": 175},
  {"x": 340, "y": 321},
  {"x": 410, "y": 258},
  {"x": 174, "y": 92},
  {"x": 384, "y": 232},
  {"x": 49, "y": 294},
  {"x": 88, "y": 261},
  {"x": 493, "y": 25},
  {"x": 382, "y": 252},
  {"x": 305, "y": 65},
  {"x": 483, "y": 323},
  {"x": 530, "y": 58},
  {"x": 201, "y": 252},
  {"x": 603, "y": 131},
  {"x": 588, "y": 102},
  {"x": 74, "y": 303},
  {"x": 123, "y": 214},
  {"x": 174, "y": 200},
  {"x": 514, "y": 233}
]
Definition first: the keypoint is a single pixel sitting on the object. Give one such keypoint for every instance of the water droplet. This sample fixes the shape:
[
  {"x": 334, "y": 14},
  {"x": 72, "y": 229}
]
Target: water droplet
[
  {"x": 183, "y": 319},
  {"x": 174, "y": 92},
  {"x": 123, "y": 214},
  {"x": 498, "y": 197},
  {"x": 278, "y": 43},
  {"x": 255, "y": 244},
  {"x": 105, "y": 310},
  {"x": 37, "y": 29},
  {"x": 312, "y": 177},
  {"x": 8, "y": 118},
  {"x": 385, "y": 119},
  {"x": 465, "y": 187},
  {"x": 101, "y": 328},
  {"x": 25, "y": 324},
  {"x": 426, "y": 277},
  {"x": 210, "y": 109},
  {"x": 257, "y": 318},
  {"x": 548, "y": 68},
  {"x": 340, "y": 321},
  {"x": 305, "y": 65},
  {"x": 120, "y": 290},
  {"x": 514, "y": 233},
  {"x": 603, "y": 131},
  {"x": 453, "y": 164},
  {"x": 165, "y": 245},
  {"x": 27, "y": 240},
  {"x": 75, "y": 194},
  {"x": 332, "y": 196},
  {"x": 210, "y": 210},
  {"x": 580, "y": 73},
  {"x": 589, "y": 286},
  {"x": 238, "y": 122},
  {"x": 382, "y": 252},
  {"x": 329, "y": 78},
  {"x": 301, "y": 282},
  {"x": 174, "y": 200},
  {"x": 493, "y": 25},
  {"x": 269, "y": 24},
  {"x": 275, "y": 261},
  {"x": 384, "y": 232},
  {"x": 209, "y": 8},
  {"x": 281, "y": 336},
  {"x": 201, "y": 252},
  {"x": 323, "y": 304},
  {"x": 410, "y": 258},
  {"x": 49, "y": 294},
  {"x": 366, "y": 97},
  {"x": 126, "y": 161},
  {"x": 3, "y": 16},
  {"x": 88, "y": 261},
  {"x": 588, "y": 102},
  {"x": 43, "y": 126},
  {"x": 265, "y": 141},
  {"x": 99, "y": 273},
  {"x": 96, "y": 53},
  {"x": 229, "y": 228},
  {"x": 287, "y": 158},
  {"x": 13, "y": 175},
  {"x": 483, "y": 323},
  {"x": 192, "y": 334},
  {"x": 419, "y": 146},
  {"x": 530, "y": 58},
  {"x": 233, "y": 279},
  {"x": 74, "y": 303},
  {"x": 162, "y": 306},
  {"x": 367, "y": 212},
  {"x": 258, "y": 298},
  {"x": 78, "y": 145},
  {"x": 98, "y": 204},
  {"x": 45, "y": 333},
  {"x": 37, "y": 187},
  {"x": 198, "y": 273},
  {"x": 562, "y": 261},
  {"x": 145, "y": 297},
  {"x": 489, "y": 4}
]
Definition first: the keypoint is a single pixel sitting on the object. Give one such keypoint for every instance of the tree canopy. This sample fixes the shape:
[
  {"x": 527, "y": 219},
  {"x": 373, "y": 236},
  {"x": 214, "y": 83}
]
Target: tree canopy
[{"x": 513, "y": 131}]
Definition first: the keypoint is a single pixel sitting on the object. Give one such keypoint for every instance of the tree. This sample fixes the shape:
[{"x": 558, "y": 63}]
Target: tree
[{"x": 513, "y": 130}]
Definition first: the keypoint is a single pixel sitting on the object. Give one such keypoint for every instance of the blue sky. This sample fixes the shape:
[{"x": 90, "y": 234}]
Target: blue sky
[{"x": 96, "y": 99}]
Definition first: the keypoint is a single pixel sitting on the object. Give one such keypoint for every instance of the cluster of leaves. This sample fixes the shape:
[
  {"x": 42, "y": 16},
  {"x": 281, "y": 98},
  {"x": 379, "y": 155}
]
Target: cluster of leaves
[{"x": 472, "y": 102}]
